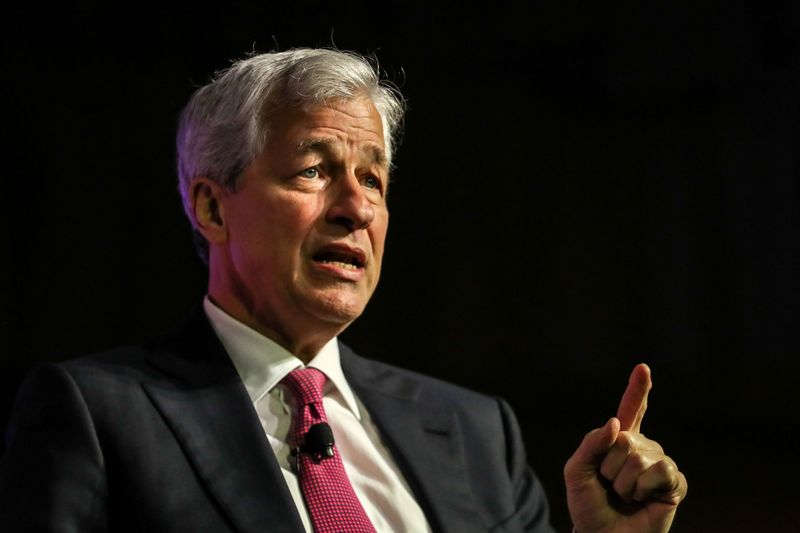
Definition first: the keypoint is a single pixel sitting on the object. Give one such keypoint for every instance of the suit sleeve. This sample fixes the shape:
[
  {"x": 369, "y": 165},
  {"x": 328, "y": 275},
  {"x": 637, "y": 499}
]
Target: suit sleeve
[
  {"x": 52, "y": 476},
  {"x": 532, "y": 510}
]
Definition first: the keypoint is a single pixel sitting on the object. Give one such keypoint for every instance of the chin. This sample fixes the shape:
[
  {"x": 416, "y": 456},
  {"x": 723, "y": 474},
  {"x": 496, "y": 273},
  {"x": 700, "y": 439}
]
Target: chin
[{"x": 341, "y": 310}]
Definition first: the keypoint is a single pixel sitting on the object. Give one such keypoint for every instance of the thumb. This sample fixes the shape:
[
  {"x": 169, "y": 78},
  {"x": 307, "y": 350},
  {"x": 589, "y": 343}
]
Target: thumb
[{"x": 583, "y": 464}]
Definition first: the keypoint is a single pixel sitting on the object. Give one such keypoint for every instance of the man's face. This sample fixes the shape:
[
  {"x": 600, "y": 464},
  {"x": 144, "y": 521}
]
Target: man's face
[{"x": 307, "y": 222}]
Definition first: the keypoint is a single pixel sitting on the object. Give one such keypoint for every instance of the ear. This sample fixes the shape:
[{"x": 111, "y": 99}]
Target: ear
[{"x": 207, "y": 208}]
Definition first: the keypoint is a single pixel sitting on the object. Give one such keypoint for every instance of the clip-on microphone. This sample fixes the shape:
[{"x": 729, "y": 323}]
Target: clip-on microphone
[{"x": 318, "y": 441}]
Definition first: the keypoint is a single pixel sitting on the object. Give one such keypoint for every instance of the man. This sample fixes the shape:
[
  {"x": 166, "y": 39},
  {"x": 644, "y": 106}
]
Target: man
[{"x": 284, "y": 168}]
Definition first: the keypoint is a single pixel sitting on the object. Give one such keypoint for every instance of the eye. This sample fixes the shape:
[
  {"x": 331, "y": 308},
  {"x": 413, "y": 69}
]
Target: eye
[
  {"x": 371, "y": 182},
  {"x": 310, "y": 173}
]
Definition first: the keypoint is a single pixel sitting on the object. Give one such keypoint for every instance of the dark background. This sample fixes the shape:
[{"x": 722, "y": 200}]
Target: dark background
[{"x": 579, "y": 189}]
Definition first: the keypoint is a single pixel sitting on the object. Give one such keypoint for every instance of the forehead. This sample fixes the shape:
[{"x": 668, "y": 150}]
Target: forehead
[{"x": 332, "y": 127}]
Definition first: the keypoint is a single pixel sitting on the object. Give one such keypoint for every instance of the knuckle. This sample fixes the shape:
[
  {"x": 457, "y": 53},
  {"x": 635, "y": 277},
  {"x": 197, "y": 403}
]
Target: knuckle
[
  {"x": 606, "y": 471},
  {"x": 637, "y": 461},
  {"x": 623, "y": 489},
  {"x": 666, "y": 468},
  {"x": 625, "y": 441}
]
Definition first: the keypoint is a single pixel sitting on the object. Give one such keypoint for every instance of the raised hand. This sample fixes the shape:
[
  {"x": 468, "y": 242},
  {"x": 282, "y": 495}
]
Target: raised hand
[{"x": 620, "y": 481}]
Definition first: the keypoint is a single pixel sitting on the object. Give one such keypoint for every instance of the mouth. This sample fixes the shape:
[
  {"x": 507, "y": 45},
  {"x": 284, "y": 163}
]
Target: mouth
[{"x": 341, "y": 257}]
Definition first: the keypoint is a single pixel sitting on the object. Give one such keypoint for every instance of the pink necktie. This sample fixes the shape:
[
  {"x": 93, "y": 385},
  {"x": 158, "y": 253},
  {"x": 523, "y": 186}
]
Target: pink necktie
[{"x": 330, "y": 499}]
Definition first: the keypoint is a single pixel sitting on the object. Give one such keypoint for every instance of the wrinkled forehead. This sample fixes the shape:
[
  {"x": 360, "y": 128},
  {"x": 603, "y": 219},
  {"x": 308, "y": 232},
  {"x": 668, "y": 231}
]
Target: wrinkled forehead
[
  {"x": 309, "y": 106},
  {"x": 331, "y": 127},
  {"x": 372, "y": 153}
]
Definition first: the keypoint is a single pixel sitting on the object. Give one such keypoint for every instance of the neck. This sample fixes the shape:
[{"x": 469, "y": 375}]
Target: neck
[
  {"x": 301, "y": 338},
  {"x": 299, "y": 332},
  {"x": 304, "y": 347}
]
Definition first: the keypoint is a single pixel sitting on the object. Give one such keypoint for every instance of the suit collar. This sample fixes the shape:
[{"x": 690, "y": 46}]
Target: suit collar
[
  {"x": 207, "y": 407},
  {"x": 259, "y": 361},
  {"x": 427, "y": 443}
]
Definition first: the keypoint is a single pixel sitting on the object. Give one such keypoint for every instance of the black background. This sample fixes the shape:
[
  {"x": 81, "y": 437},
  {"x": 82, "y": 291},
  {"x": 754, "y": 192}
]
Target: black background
[{"x": 579, "y": 189}]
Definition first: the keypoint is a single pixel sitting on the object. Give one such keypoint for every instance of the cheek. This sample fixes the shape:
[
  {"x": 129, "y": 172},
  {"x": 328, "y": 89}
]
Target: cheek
[
  {"x": 286, "y": 220},
  {"x": 292, "y": 227},
  {"x": 260, "y": 236}
]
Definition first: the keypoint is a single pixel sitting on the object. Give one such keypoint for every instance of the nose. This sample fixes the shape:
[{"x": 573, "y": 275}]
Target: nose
[{"x": 350, "y": 206}]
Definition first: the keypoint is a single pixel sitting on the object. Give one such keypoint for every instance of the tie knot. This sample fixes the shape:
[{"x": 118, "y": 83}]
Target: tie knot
[{"x": 306, "y": 385}]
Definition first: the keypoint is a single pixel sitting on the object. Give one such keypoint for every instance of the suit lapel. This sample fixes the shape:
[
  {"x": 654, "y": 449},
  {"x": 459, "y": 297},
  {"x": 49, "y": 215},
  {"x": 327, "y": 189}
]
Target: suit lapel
[
  {"x": 208, "y": 409},
  {"x": 427, "y": 444}
]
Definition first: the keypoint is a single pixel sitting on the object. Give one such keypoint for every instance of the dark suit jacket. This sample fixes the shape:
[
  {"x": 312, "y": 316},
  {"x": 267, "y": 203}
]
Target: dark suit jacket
[{"x": 163, "y": 437}]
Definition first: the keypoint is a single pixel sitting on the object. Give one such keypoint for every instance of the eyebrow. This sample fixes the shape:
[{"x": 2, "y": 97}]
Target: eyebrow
[{"x": 325, "y": 145}]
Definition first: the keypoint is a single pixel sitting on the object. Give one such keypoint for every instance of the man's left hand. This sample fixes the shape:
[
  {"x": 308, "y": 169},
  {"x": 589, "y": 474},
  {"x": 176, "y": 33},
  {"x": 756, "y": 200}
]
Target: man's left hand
[{"x": 620, "y": 481}]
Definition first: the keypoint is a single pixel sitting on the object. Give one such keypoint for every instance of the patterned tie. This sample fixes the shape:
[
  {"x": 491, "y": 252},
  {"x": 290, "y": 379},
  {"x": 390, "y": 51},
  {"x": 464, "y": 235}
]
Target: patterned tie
[{"x": 331, "y": 501}]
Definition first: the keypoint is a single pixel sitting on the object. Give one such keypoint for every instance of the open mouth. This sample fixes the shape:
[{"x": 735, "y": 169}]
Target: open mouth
[{"x": 340, "y": 258}]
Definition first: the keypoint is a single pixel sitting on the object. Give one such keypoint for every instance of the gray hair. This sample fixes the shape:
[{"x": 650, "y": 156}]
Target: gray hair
[{"x": 226, "y": 124}]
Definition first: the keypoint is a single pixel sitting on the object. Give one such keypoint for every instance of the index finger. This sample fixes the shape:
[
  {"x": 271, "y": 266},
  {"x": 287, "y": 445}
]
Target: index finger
[{"x": 634, "y": 402}]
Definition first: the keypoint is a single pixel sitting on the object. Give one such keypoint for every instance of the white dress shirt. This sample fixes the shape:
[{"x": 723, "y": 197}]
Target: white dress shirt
[{"x": 375, "y": 477}]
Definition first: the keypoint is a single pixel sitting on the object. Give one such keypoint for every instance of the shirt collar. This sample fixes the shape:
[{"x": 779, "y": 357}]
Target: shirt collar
[{"x": 262, "y": 363}]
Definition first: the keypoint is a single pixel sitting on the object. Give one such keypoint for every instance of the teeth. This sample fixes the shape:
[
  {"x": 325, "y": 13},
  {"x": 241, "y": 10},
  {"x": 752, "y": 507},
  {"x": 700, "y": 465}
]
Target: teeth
[{"x": 347, "y": 266}]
